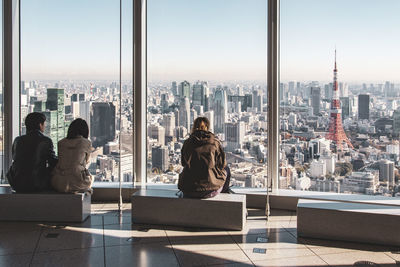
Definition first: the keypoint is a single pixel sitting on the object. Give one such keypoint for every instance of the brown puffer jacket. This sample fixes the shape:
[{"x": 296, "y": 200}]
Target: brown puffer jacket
[{"x": 203, "y": 161}]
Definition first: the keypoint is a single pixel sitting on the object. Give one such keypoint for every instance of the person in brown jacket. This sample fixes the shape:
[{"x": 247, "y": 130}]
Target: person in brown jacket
[
  {"x": 70, "y": 174},
  {"x": 205, "y": 173}
]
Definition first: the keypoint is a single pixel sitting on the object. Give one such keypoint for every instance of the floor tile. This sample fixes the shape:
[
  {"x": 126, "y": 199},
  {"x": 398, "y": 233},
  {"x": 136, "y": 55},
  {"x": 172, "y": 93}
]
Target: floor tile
[
  {"x": 15, "y": 260},
  {"x": 181, "y": 231},
  {"x": 308, "y": 261},
  {"x": 350, "y": 258},
  {"x": 127, "y": 234},
  {"x": 212, "y": 257},
  {"x": 275, "y": 240},
  {"x": 117, "y": 219},
  {"x": 18, "y": 242},
  {"x": 281, "y": 253},
  {"x": 71, "y": 238},
  {"x": 71, "y": 257},
  {"x": 203, "y": 243},
  {"x": 141, "y": 255}
]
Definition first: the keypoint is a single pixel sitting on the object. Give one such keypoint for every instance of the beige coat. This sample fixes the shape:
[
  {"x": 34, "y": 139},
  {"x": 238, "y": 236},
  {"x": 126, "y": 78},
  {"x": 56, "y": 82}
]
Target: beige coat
[{"x": 71, "y": 175}]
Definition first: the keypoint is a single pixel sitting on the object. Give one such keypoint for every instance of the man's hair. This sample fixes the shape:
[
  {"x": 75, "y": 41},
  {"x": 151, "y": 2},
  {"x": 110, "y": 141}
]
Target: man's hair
[
  {"x": 78, "y": 127},
  {"x": 198, "y": 121},
  {"x": 33, "y": 121}
]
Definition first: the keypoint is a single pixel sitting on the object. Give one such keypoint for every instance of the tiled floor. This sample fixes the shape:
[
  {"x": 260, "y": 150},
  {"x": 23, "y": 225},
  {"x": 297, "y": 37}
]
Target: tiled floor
[{"x": 107, "y": 239}]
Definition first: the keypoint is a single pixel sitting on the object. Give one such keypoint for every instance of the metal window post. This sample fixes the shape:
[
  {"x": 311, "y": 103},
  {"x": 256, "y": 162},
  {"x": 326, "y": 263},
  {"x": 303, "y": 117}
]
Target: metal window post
[
  {"x": 273, "y": 94},
  {"x": 139, "y": 91},
  {"x": 11, "y": 76}
]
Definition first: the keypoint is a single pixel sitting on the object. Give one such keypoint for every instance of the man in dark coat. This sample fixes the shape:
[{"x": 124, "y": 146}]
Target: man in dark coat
[{"x": 33, "y": 157}]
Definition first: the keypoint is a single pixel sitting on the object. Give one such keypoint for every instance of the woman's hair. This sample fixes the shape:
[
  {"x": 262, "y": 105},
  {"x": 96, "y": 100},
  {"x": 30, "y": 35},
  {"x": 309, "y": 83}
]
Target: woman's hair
[
  {"x": 78, "y": 127},
  {"x": 33, "y": 121},
  {"x": 199, "y": 124}
]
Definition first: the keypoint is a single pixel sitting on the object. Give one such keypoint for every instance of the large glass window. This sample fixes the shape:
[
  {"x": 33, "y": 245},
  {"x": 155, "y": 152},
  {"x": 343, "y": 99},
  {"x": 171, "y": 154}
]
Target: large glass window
[
  {"x": 207, "y": 58},
  {"x": 70, "y": 68},
  {"x": 339, "y": 112},
  {"x": 3, "y": 172}
]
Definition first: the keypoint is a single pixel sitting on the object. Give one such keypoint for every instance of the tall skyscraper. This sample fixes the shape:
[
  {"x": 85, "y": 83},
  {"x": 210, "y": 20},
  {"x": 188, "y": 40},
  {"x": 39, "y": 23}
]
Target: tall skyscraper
[
  {"x": 386, "y": 171},
  {"x": 54, "y": 111},
  {"x": 210, "y": 116},
  {"x": 345, "y": 103},
  {"x": 220, "y": 109},
  {"x": 396, "y": 122},
  {"x": 336, "y": 132},
  {"x": 184, "y": 89},
  {"x": 201, "y": 94},
  {"x": 234, "y": 135},
  {"x": 174, "y": 88},
  {"x": 316, "y": 99},
  {"x": 102, "y": 123},
  {"x": 258, "y": 100},
  {"x": 159, "y": 158},
  {"x": 184, "y": 113},
  {"x": 157, "y": 132},
  {"x": 363, "y": 107},
  {"x": 169, "y": 124}
]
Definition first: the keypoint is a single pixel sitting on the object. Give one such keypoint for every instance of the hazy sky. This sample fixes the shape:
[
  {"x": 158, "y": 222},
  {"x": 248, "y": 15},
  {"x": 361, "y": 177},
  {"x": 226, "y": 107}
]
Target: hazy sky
[{"x": 212, "y": 39}]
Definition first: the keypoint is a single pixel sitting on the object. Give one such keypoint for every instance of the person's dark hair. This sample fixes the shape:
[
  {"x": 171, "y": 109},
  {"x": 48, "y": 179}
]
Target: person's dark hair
[
  {"x": 33, "y": 121},
  {"x": 198, "y": 122},
  {"x": 78, "y": 127}
]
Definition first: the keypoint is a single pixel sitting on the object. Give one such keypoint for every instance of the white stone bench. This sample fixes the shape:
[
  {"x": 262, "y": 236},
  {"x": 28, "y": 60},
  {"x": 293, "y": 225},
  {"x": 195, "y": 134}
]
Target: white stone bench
[
  {"x": 356, "y": 222},
  {"x": 157, "y": 206},
  {"x": 46, "y": 207}
]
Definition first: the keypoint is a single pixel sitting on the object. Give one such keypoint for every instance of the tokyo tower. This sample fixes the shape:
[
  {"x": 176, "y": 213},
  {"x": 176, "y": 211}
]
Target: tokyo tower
[{"x": 336, "y": 132}]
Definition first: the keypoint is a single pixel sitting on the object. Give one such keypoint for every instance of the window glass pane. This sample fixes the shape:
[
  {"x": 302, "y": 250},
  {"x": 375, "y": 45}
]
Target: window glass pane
[
  {"x": 70, "y": 69},
  {"x": 339, "y": 114},
  {"x": 207, "y": 58},
  {"x": 3, "y": 172}
]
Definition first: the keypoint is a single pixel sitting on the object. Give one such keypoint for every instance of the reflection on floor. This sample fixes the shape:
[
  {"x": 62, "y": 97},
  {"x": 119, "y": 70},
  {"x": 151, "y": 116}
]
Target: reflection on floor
[{"x": 107, "y": 239}]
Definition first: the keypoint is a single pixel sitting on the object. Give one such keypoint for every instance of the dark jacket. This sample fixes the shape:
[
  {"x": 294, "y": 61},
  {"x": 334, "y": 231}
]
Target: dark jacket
[
  {"x": 203, "y": 161},
  {"x": 33, "y": 160}
]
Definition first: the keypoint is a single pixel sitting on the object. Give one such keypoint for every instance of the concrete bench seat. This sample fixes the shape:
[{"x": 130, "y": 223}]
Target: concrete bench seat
[
  {"x": 46, "y": 207},
  {"x": 356, "y": 222},
  {"x": 157, "y": 206}
]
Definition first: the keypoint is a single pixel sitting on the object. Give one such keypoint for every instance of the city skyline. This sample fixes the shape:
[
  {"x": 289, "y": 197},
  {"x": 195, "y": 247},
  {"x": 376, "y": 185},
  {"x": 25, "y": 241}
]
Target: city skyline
[{"x": 225, "y": 42}]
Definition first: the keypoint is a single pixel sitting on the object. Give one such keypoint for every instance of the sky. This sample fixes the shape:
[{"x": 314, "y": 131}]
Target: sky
[{"x": 212, "y": 39}]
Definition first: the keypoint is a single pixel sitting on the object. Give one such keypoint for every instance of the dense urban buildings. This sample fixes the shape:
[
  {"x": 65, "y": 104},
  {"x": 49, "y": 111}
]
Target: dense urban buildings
[{"x": 335, "y": 137}]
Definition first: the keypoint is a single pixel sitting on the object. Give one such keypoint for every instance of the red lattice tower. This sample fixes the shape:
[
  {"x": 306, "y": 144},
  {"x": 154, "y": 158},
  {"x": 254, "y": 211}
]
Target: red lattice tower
[{"x": 336, "y": 132}]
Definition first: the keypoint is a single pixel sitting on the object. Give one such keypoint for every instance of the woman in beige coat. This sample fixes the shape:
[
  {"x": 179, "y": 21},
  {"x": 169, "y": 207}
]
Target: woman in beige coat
[{"x": 70, "y": 174}]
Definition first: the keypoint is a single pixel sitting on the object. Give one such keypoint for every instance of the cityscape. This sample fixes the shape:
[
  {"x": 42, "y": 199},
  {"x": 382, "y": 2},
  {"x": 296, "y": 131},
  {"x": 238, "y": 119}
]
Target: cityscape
[{"x": 335, "y": 137}]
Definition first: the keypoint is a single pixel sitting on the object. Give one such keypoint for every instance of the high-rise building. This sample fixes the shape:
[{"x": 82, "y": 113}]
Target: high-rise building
[
  {"x": 102, "y": 123},
  {"x": 84, "y": 111},
  {"x": 316, "y": 100},
  {"x": 201, "y": 94},
  {"x": 234, "y": 135},
  {"x": 210, "y": 116},
  {"x": 77, "y": 97},
  {"x": 345, "y": 103},
  {"x": 363, "y": 107},
  {"x": 157, "y": 132},
  {"x": 220, "y": 110},
  {"x": 169, "y": 124},
  {"x": 184, "y": 113},
  {"x": 54, "y": 111},
  {"x": 396, "y": 122},
  {"x": 258, "y": 100},
  {"x": 159, "y": 158},
  {"x": 184, "y": 89},
  {"x": 386, "y": 171},
  {"x": 174, "y": 88},
  {"x": 164, "y": 103}
]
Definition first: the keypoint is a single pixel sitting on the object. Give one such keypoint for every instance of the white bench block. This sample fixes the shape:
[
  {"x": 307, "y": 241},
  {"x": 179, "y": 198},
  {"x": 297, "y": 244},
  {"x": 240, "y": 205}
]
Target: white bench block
[
  {"x": 356, "y": 222},
  {"x": 46, "y": 207},
  {"x": 163, "y": 207}
]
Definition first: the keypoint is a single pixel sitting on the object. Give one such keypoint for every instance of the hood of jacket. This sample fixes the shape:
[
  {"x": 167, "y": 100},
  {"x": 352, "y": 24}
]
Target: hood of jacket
[{"x": 200, "y": 138}]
